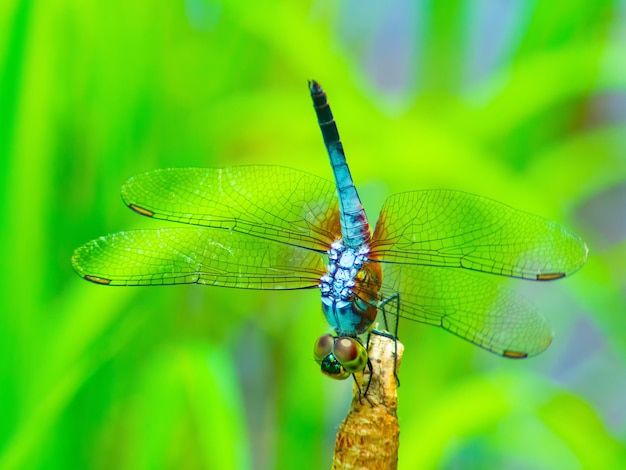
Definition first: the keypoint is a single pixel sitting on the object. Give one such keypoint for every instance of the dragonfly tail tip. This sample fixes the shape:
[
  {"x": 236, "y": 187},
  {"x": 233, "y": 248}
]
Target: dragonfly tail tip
[{"x": 314, "y": 86}]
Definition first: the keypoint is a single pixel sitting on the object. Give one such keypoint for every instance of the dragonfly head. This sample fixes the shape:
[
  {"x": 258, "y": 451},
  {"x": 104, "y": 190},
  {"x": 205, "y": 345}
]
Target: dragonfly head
[{"x": 340, "y": 356}]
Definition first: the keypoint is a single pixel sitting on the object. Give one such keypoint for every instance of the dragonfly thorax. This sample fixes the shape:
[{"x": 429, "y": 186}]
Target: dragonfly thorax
[
  {"x": 344, "y": 310},
  {"x": 344, "y": 264}
]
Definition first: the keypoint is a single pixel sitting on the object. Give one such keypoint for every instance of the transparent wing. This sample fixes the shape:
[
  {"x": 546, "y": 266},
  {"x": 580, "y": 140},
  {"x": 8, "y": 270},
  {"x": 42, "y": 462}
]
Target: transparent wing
[
  {"x": 456, "y": 229},
  {"x": 190, "y": 255},
  {"x": 468, "y": 305},
  {"x": 271, "y": 202}
]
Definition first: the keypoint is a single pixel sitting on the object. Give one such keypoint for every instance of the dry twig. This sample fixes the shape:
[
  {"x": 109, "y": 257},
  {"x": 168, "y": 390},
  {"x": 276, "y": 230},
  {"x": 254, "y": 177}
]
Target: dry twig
[{"x": 368, "y": 438}]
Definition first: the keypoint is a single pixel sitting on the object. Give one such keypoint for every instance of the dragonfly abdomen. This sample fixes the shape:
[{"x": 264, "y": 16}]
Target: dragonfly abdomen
[{"x": 354, "y": 225}]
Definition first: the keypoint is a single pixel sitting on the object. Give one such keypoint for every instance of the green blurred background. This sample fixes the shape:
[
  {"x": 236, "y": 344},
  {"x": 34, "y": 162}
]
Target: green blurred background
[{"x": 520, "y": 101}]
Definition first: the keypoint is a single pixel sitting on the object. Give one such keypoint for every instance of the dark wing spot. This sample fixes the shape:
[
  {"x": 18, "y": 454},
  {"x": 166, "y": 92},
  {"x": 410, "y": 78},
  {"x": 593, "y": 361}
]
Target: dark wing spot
[
  {"x": 515, "y": 354},
  {"x": 550, "y": 276},
  {"x": 98, "y": 280},
  {"x": 141, "y": 210}
]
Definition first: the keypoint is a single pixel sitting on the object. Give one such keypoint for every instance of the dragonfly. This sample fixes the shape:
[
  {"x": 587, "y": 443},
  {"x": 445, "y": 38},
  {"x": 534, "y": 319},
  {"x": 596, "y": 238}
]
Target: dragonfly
[{"x": 272, "y": 227}]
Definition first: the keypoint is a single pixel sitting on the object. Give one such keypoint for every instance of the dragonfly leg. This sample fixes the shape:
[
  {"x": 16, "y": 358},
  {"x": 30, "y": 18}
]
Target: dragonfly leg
[
  {"x": 370, "y": 372},
  {"x": 385, "y": 333},
  {"x": 381, "y": 306},
  {"x": 356, "y": 382}
]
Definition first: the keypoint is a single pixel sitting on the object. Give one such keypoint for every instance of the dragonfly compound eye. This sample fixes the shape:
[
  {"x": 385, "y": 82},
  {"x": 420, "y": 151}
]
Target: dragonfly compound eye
[
  {"x": 323, "y": 347},
  {"x": 326, "y": 356},
  {"x": 351, "y": 354}
]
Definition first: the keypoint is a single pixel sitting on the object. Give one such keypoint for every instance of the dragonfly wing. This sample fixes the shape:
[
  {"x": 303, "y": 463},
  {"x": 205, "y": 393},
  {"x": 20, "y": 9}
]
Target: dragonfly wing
[
  {"x": 467, "y": 305},
  {"x": 271, "y": 202},
  {"x": 197, "y": 255},
  {"x": 456, "y": 229}
]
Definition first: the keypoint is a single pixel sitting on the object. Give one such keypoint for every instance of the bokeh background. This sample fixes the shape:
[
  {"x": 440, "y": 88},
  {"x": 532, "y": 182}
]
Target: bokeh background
[{"x": 520, "y": 101}]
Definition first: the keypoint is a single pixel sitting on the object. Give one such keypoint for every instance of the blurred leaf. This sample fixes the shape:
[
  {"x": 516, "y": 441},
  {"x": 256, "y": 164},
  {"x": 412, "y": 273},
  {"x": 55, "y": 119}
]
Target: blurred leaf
[
  {"x": 188, "y": 400},
  {"x": 573, "y": 421}
]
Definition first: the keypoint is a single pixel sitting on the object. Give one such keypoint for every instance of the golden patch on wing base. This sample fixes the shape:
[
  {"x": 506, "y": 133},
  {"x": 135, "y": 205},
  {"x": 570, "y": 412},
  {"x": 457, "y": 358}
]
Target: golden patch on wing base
[
  {"x": 141, "y": 210},
  {"x": 550, "y": 276},
  {"x": 515, "y": 354},
  {"x": 98, "y": 280}
]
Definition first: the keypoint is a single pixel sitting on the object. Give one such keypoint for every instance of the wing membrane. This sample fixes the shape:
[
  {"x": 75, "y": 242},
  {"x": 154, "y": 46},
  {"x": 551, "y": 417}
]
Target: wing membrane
[
  {"x": 456, "y": 229},
  {"x": 270, "y": 202},
  {"x": 467, "y": 305},
  {"x": 190, "y": 255}
]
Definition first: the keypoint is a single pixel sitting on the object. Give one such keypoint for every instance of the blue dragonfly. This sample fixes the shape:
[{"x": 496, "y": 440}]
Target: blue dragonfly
[{"x": 271, "y": 227}]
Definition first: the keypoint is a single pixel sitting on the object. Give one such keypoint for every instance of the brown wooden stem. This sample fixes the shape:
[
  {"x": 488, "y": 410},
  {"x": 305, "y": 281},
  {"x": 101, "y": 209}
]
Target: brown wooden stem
[{"x": 368, "y": 438}]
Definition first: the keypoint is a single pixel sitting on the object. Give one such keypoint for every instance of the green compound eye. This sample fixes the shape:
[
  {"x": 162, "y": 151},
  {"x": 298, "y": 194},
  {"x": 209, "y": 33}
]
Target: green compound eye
[
  {"x": 351, "y": 354},
  {"x": 339, "y": 357},
  {"x": 324, "y": 356},
  {"x": 323, "y": 347}
]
